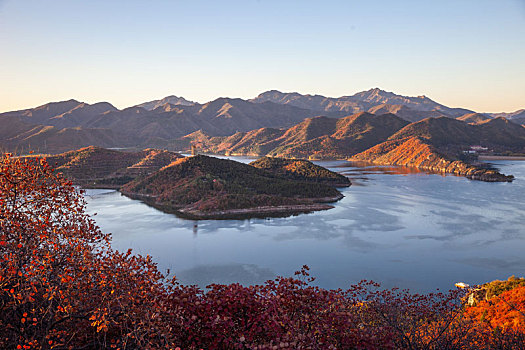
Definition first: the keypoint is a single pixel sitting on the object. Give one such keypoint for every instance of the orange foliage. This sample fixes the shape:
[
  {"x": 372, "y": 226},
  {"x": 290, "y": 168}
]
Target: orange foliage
[{"x": 505, "y": 311}]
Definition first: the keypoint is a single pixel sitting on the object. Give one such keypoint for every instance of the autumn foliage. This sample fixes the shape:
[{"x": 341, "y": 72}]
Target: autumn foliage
[
  {"x": 505, "y": 311},
  {"x": 63, "y": 287}
]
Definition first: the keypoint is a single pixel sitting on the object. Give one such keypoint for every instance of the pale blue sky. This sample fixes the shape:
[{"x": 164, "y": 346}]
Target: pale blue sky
[{"x": 460, "y": 53}]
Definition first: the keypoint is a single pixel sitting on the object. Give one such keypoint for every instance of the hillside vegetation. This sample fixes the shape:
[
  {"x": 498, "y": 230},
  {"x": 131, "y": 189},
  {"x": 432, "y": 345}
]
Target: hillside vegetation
[
  {"x": 438, "y": 145},
  {"x": 326, "y": 138},
  {"x": 201, "y": 186},
  {"x": 499, "y": 304},
  {"x": 302, "y": 170},
  {"x": 103, "y": 168},
  {"x": 495, "y": 288},
  {"x": 208, "y": 187},
  {"x": 445, "y": 133}
]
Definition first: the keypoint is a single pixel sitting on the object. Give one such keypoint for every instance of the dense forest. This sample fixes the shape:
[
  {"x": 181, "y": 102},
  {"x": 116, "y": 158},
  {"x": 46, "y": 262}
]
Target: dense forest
[{"x": 62, "y": 286}]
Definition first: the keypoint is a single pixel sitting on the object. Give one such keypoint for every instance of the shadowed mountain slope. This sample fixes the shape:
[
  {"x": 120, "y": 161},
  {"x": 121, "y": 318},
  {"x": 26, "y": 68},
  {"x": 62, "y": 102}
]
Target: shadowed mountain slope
[
  {"x": 62, "y": 114},
  {"x": 272, "y": 124},
  {"x": 103, "y": 125},
  {"x": 405, "y": 112},
  {"x": 58, "y": 127},
  {"x": 22, "y": 138}
]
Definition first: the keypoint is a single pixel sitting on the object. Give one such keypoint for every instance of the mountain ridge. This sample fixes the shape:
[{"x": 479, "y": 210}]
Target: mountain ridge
[
  {"x": 359, "y": 102},
  {"x": 60, "y": 126},
  {"x": 317, "y": 137}
]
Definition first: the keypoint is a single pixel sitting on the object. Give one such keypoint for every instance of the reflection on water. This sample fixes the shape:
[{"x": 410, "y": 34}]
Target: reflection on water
[
  {"x": 400, "y": 228},
  {"x": 358, "y": 167}
]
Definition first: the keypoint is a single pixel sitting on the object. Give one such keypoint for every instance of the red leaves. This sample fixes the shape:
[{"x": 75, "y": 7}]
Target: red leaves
[{"x": 62, "y": 286}]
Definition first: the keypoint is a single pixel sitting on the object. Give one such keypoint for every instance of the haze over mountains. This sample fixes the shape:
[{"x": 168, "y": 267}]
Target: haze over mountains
[{"x": 62, "y": 126}]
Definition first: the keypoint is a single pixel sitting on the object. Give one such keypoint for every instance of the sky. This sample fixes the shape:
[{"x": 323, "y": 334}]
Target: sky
[{"x": 461, "y": 53}]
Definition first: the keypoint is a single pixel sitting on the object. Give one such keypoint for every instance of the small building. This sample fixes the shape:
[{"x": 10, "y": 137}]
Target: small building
[{"x": 478, "y": 148}]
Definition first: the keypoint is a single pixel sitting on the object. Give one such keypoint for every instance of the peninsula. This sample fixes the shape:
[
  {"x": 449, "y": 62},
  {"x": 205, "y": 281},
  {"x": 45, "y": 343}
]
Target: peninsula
[{"x": 203, "y": 187}]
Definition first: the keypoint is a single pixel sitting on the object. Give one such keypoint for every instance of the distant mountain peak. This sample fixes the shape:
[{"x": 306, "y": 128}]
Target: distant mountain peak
[
  {"x": 70, "y": 103},
  {"x": 172, "y": 100},
  {"x": 376, "y": 95},
  {"x": 378, "y": 91},
  {"x": 516, "y": 117}
]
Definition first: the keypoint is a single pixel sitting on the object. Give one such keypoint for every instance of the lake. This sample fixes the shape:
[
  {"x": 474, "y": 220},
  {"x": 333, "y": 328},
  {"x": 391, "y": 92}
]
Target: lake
[{"x": 394, "y": 226}]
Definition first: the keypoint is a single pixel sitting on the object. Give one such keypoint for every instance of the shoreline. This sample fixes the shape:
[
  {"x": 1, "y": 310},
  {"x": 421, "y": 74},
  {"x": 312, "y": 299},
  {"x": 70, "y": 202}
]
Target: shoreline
[
  {"x": 475, "y": 173},
  {"x": 259, "y": 212},
  {"x": 501, "y": 157},
  {"x": 315, "y": 204}
]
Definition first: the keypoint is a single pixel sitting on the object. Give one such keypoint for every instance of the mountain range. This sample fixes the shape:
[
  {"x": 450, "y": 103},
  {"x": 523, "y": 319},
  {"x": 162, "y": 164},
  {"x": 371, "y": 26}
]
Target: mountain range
[
  {"x": 362, "y": 101},
  {"x": 318, "y": 137},
  {"x": 271, "y": 123}
]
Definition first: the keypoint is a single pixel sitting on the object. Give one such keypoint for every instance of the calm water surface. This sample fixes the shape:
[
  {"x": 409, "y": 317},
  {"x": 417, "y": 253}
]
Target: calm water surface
[{"x": 410, "y": 230}]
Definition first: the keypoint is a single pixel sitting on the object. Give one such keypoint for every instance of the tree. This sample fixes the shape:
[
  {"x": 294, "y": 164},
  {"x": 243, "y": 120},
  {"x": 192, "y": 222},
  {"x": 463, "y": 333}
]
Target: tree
[{"x": 61, "y": 284}]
